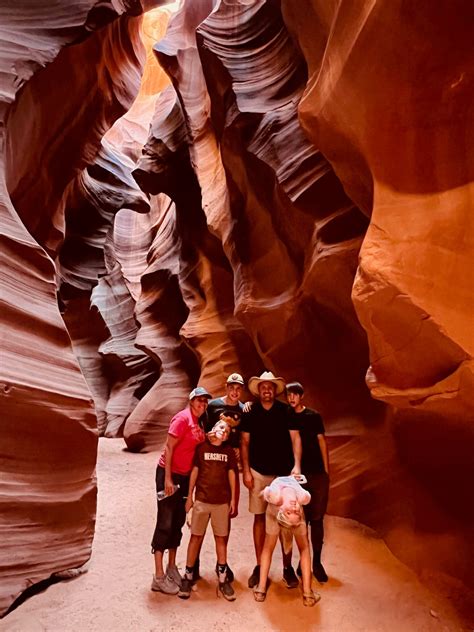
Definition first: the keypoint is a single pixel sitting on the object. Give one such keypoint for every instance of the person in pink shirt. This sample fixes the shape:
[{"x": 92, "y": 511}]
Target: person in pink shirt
[{"x": 172, "y": 481}]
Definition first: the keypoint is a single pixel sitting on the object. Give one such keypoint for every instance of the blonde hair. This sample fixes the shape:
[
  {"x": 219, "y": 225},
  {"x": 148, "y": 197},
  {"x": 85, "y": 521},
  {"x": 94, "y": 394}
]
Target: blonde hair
[{"x": 286, "y": 523}]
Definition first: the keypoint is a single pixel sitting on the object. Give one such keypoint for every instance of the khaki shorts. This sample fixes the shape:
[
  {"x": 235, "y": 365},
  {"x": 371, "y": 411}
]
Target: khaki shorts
[
  {"x": 218, "y": 514},
  {"x": 273, "y": 528},
  {"x": 257, "y": 504}
]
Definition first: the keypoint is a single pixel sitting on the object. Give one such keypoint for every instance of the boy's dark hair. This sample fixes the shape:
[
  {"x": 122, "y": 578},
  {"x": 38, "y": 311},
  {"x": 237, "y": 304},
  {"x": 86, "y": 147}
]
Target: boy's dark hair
[{"x": 295, "y": 387}]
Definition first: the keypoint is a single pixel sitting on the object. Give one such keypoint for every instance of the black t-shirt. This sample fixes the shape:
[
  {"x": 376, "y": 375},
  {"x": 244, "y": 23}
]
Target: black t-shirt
[
  {"x": 270, "y": 448},
  {"x": 214, "y": 463},
  {"x": 310, "y": 424},
  {"x": 214, "y": 410}
]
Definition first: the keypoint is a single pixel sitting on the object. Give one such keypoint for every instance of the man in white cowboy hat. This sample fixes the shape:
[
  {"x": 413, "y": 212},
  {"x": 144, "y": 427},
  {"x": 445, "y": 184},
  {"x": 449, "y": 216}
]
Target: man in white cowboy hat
[{"x": 270, "y": 447}]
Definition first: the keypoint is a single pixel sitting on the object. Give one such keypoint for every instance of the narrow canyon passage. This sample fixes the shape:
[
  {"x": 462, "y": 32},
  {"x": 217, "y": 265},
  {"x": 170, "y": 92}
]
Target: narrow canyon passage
[
  {"x": 198, "y": 187},
  {"x": 369, "y": 589}
]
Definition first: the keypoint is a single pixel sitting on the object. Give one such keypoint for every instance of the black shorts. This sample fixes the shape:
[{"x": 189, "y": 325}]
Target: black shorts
[{"x": 171, "y": 513}]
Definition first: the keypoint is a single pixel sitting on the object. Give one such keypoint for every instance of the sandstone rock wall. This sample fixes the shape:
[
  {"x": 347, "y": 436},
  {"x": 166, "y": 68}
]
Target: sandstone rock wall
[
  {"x": 297, "y": 200},
  {"x": 66, "y": 97},
  {"x": 389, "y": 101},
  {"x": 250, "y": 82},
  {"x": 269, "y": 195}
]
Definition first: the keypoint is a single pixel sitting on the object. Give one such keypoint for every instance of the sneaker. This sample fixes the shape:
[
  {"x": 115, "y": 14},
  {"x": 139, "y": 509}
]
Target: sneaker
[
  {"x": 229, "y": 575},
  {"x": 320, "y": 573},
  {"x": 225, "y": 589},
  {"x": 254, "y": 578},
  {"x": 173, "y": 574},
  {"x": 164, "y": 584},
  {"x": 185, "y": 590},
  {"x": 289, "y": 577}
]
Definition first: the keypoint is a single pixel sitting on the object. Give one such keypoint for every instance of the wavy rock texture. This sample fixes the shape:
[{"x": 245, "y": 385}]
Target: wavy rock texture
[
  {"x": 309, "y": 157},
  {"x": 292, "y": 236},
  {"x": 32, "y": 36},
  {"x": 113, "y": 367},
  {"x": 389, "y": 102},
  {"x": 196, "y": 259},
  {"x": 161, "y": 312},
  {"x": 269, "y": 195},
  {"x": 53, "y": 129},
  {"x": 103, "y": 328}
]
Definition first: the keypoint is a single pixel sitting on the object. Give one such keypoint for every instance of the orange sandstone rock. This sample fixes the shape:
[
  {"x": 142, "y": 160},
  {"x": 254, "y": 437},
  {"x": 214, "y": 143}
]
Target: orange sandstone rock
[{"x": 52, "y": 131}]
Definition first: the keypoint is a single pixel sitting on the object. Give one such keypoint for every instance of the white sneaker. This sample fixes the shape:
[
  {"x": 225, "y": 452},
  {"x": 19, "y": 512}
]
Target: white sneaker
[
  {"x": 173, "y": 574},
  {"x": 165, "y": 585}
]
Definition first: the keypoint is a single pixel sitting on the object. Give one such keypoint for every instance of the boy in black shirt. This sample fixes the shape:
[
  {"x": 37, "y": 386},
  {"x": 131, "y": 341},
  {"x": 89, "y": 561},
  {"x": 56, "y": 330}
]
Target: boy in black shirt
[
  {"x": 228, "y": 407},
  {"x": 315, "y": 466}
]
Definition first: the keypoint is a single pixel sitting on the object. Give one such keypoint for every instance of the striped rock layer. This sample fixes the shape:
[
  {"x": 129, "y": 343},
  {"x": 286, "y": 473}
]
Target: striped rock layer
[{"x": 289, "y": 191}]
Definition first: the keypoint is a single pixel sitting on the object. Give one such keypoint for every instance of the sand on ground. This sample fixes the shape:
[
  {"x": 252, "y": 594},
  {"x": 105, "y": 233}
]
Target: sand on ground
[{"x": 369, "y": 589}]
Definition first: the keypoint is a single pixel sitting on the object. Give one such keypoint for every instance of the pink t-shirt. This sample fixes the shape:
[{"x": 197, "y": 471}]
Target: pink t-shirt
[{"x": 184, "y": 426}]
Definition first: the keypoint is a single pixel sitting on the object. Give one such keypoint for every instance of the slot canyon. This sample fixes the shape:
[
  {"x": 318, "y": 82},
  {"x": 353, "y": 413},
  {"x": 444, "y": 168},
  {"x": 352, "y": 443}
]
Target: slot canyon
[{"x": 195, "y": 188}]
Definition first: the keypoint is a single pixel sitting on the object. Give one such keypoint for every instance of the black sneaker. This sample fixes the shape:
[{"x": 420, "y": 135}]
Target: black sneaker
[
  {"x": 289, "y": 577},
  {"x": 254, "y": 577},
  {"x": 185, "y": 590},
  {"x": 320, "y": 573},
  {"x": 225, "y": 589},
  {"x": 229, "y": 573}
]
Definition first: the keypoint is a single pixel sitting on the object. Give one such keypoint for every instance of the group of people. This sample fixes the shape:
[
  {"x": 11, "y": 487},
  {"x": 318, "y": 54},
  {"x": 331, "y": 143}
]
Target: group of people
[{"x": 282, "y": 454}]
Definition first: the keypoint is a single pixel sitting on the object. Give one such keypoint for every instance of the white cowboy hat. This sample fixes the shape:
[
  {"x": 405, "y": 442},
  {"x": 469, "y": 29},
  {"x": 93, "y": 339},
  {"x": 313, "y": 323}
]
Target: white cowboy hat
[{"x": 267, "y": 376}]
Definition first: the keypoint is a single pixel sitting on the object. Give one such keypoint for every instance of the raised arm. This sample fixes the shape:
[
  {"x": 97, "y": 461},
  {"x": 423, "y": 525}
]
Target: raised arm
[
  {"x": 297, "y": 450},
  {"x": 171, "y": 443},
  {"x": 323, "y": 446},
  {"x": 244, "y": 453}
]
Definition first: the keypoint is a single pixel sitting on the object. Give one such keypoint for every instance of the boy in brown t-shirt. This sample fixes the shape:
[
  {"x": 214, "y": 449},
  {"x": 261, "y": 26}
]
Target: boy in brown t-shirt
[{"x": 214, "y": 478}]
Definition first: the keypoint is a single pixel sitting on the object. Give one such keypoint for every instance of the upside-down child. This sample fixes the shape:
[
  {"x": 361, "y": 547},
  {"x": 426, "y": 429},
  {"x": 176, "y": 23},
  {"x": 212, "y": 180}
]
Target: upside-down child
[
  {"x": 213, "y": 478},
  {"x": 284, "y": 514}
]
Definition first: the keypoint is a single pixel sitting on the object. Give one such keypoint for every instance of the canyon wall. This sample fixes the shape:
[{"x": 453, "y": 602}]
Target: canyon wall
[
  {"x": 333, "y": 186},
  {"x": 389, "y": 102},
  {"x": 290, "y": 190},
  {"x": 65, "y": 86}
]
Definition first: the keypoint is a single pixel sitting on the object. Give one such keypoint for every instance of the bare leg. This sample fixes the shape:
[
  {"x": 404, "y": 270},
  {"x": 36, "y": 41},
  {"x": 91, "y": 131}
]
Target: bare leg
[
  {"x": 266, "y": 560},
  {"x": 258, "y": 534},
  {"x": 221, "y": 548},
  {"x": 158, "y": 555},
  {"x": 172, "y": 557},
  {"x": 303, "y": 546},
  {"x": 194, "y": 547}
]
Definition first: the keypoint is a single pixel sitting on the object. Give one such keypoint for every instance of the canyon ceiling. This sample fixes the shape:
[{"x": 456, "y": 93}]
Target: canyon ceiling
[{"x": 238, "y": 185}]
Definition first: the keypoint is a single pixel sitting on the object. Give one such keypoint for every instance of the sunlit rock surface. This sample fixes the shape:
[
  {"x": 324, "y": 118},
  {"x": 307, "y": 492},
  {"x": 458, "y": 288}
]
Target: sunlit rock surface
[
  {"x": 92, "y": 278},
  {"x": 53, "y": 130},
  {"x": 277, "y": 224},
  {"x": 195, "y": 259},
  {"x": 297, "y": 200},
  {"x": 389, "y": 103}
]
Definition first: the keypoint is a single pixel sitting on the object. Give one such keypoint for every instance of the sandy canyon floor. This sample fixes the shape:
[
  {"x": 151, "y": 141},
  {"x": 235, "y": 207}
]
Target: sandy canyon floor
[{"x": 369, "y": 589}]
